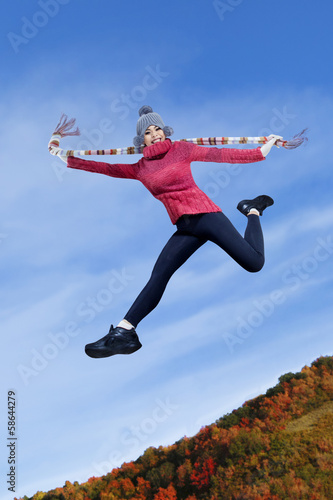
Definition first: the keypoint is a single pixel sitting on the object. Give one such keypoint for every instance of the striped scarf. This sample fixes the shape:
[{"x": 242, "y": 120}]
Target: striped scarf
[{"x": 65, "y": 128}]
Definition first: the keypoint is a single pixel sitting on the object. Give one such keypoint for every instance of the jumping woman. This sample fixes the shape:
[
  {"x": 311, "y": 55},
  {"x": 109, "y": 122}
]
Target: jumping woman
[{"x": 165, "y": 170}]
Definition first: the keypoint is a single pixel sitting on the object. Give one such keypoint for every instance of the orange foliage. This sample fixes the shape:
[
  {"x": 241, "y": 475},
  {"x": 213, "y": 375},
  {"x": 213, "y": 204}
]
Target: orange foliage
[
  {"x": 168, "y": 493},
  {"x": 200, "y": 477}
]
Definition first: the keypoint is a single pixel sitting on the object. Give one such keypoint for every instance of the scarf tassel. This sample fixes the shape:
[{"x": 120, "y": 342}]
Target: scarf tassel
[
  {"x": 296, "y": 141},
  {"x": 64, "y": 127}
]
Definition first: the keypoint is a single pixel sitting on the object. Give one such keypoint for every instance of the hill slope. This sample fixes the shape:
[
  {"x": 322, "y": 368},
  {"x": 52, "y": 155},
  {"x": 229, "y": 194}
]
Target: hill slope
[{"x": 278, "y": 446}]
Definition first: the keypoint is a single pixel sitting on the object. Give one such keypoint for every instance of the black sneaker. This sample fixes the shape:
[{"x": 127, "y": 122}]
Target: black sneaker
[
  {"x": 117, "y": 341},
  {"x": 259, "y": 203}
]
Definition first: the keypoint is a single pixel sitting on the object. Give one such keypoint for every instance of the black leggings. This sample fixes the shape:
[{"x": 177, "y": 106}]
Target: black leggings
[{"x": 192, "y": 232}]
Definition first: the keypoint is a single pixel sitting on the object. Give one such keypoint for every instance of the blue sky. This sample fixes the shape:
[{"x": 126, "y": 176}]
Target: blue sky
[{"x": 76, "y": 248}]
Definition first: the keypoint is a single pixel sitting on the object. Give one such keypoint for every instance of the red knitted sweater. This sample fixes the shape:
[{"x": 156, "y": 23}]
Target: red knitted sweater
[{"x": 165, "y": 170}]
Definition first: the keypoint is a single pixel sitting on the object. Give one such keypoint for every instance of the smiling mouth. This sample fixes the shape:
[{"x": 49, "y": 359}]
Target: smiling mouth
[{"x": 156, "y": 140}]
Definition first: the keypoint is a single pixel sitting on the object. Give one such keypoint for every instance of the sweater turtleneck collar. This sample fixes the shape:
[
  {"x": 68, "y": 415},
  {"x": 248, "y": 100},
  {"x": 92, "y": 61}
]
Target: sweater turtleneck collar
[{"x": 157, "y": 150}]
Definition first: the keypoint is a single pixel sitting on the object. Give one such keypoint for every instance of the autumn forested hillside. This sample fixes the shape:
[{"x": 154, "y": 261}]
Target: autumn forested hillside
[{"x": 276, "y": 446}]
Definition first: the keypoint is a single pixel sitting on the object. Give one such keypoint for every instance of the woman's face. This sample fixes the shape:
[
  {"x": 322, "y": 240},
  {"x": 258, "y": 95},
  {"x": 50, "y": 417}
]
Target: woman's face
[{"x": 153, "y": 134}]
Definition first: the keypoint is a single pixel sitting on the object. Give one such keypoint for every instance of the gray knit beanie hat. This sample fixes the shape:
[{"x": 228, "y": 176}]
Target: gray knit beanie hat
[{"x": 147, "y": 118}]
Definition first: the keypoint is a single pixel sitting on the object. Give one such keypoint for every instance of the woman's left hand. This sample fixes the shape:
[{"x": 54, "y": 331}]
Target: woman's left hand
[
  {"x": 275, "y": 137},
  {"x": 271, "y": 140}
]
